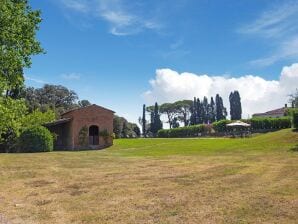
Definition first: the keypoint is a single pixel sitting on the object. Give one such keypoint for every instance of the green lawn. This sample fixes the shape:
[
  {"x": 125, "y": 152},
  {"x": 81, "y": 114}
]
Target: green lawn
[{"x": 251, "y": 180}]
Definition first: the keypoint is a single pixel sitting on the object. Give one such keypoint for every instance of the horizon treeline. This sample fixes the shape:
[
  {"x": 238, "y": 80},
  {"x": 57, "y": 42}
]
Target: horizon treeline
[{"x": 190, "y": 112}]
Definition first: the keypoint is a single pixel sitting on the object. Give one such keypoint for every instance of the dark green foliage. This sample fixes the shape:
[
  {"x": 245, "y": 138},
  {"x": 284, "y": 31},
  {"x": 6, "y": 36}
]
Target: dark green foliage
[
  {"x": 170, "y": 110},
  {"x": 189, "y": 131},
  {"x": 156, "y": 123},
  {"x": 221, "y": 126},
  {"x": 35, "y": 139},
  {"x": 124, "y": 129},
  {"x": 269, "y": 123},
  {"x": 294, "y": 114},
  {"x": 83, "y": 136},
  {"x": 235, "y": 105},
  {"x": 144, "y": 121},
  {"x": 221, "y": 111},
  {"x": 55, "y": 97},
  {"x": 212, "y": 111},
  {"x": 84, "y": 103},
  {"x": 18, "y": 26}
]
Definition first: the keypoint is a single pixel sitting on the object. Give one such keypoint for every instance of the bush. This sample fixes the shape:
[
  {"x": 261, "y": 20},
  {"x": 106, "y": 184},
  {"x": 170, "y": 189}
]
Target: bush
[
  {"x": 295, "y": 118},
  {"x": 221, "y": 126},
  {"x": 189, "y": 131},
  {"x": 270, "y": 123},
  {"x": 35, "y": 139}
]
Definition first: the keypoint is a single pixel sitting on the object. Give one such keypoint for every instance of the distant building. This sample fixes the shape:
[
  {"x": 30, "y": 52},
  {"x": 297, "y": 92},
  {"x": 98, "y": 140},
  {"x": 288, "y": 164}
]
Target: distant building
[
  {"x": 90, "y": 121},
  {"x": 280, "y": 112}
]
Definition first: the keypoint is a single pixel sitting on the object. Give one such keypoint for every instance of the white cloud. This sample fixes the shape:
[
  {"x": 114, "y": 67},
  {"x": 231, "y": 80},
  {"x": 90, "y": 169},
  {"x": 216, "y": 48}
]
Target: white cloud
[
  {"x": 257, "y": 94},
  {"x": 121, "y": 19},
  {"x": 71, "y": 76},
  {"x": 39, "y": 81},
  {"x": 279, "y": 26}
]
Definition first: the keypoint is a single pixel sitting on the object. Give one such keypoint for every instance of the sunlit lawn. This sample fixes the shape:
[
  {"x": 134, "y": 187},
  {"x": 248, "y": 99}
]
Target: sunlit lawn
[{"x": 250, "y": 180}]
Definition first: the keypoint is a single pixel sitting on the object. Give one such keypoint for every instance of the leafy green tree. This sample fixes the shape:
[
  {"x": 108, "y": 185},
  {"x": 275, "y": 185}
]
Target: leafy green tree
[
  {"x": 55, "y": 97},
  {"x": 235, "y": 105},
  {"x": 84, "y": 103},
  {"x": 18, "y": 43},
  {"x": 205, "y": 109},
  {"x": 193, "y": 112},
  {"x": 183, "y": 108},
  {"x": 200, "y": 112},
  {"x": 294, "y": 99},
  {"x": 170, "y": 111}
]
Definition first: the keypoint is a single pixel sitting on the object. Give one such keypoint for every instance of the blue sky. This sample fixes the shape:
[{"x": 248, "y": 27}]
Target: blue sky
[{"x": 121, "y": 53}]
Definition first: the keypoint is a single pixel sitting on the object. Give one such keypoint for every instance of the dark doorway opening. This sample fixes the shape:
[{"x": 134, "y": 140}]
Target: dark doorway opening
[{"x": 93, "y": 135}]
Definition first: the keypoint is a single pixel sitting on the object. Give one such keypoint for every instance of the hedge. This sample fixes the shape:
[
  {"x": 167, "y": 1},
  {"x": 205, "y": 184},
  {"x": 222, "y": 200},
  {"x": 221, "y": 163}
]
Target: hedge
[
  {"x": 270, "y": 123},
  {"x": 35, "y": 139},
  {"x": 189, "y": 131},
  {"x": 295, "y": 118}
]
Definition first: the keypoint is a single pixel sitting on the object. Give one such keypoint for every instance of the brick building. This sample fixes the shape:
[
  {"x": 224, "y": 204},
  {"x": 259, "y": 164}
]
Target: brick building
[{"x": 89, "y": 127}]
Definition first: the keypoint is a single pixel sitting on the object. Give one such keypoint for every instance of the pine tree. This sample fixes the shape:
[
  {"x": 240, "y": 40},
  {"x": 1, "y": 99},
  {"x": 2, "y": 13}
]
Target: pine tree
[
  {"x": 235, "y": 105},
  {"x": 144, "y": 121}
]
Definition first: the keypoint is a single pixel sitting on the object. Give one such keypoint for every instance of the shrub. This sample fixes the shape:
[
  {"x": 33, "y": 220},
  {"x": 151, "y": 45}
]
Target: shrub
[
  {"x": 220, "y": 126},
  {"x": 35, "y": 139},
  {"x": 295, "y": 119},
  {"x": 270, "y": 123},
  {"x": 189, "y": 131}
]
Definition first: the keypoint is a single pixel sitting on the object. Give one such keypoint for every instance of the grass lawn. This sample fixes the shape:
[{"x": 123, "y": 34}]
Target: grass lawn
[{"x": 252, "y": 180}]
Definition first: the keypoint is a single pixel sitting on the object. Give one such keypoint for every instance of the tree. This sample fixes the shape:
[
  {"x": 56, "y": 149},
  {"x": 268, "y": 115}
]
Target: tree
[
  {"x": 55, "y": 97},
  {"x": 294, "y": 99},
  {"x": 18, "y": 43},
  {"x": 212, "y": 111},
  {"x": 205, "y": 110},
  {"x": 200, "y": 112},
  {"x": 183, "y": 108},
  {"x": 156, "y": 123},
  {"x": 221, "y": 111},
  {"x": 144, "y": 121},
  {"x": 193, "y": 111},
  {"x": 170, "y": 111},
  {"x": 235, "y": 105},
  {"x": 84, "y": 103},
  {"x": 124, "y": 129}
]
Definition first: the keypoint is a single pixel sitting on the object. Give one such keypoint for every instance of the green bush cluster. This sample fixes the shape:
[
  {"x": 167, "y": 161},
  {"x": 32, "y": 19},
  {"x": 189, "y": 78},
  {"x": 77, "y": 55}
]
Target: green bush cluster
[
  {"x": 189, "y": 131},
  {"x": 270, "y": 123},
  {"x": 35, "y": 139},
  {"x": 295, "y": 118},
  {"x": 220, "y": 126}
]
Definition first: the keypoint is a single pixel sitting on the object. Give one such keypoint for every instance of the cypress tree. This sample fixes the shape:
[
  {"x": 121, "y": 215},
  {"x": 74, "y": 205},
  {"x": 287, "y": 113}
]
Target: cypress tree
[
  {"x": 205, "y": 108},
  {"x": 156, "y": 123},
  {"x": 200, "y": 112},
  {"x": 235, "y": 105},
  {"x": 193, "y": 116},
  {"x": 220, "y": 109},
  {"x": 212, "y": 112},
  {"x": 144, "y": 121}
]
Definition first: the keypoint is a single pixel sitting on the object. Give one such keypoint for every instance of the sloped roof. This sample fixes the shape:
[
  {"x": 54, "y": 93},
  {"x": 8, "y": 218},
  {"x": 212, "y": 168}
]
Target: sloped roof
[
  {"x": 82, "y": 108},
  {"x": 273, "y": 112},
  {"x": 60, "y": 121}
]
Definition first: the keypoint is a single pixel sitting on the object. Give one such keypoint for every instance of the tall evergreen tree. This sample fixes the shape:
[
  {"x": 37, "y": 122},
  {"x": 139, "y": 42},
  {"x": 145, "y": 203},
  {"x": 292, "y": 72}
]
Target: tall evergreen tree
[
  {"x": 200, "y": 112},
  {"x": 235, "y": 105},
  {"x": 156, "y": 123},
  {"x": 212, "y": 112},
  {"x": 144, "y": 121},
  {"x": 205, "y": 108},
  {"x": 221, "y": 112},
  {"x": 193, "y": 111}
]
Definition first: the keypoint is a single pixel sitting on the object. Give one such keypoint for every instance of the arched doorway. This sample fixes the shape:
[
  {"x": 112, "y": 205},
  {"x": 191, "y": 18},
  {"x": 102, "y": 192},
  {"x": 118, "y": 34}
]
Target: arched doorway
[{"x": 93, "y": 135}]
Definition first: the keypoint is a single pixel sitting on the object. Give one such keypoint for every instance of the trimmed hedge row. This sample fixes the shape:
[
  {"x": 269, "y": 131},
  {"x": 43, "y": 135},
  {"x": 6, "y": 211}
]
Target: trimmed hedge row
[
  {"x": 221, "y": 127},
  {"x": 270, "y": 123},
  {"x": 189, "y": 131}
]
